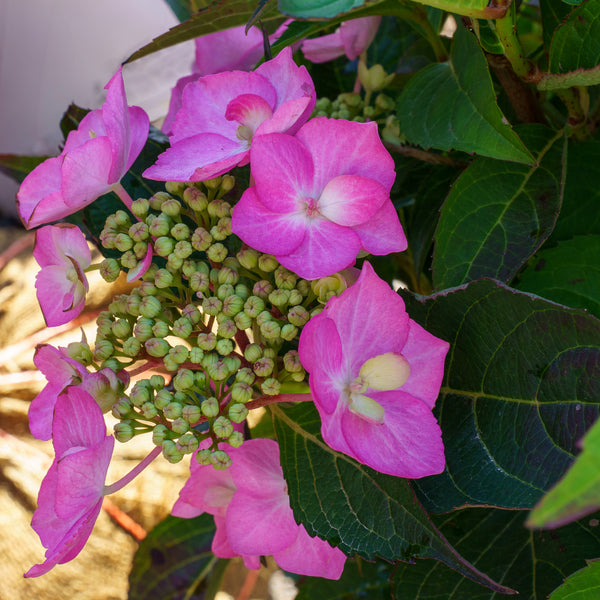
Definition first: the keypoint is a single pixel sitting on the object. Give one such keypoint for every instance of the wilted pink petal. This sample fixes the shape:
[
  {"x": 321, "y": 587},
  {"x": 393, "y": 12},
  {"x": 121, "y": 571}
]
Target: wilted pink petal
[
  {"x": 322, "y": 196},
  {"x": 95, "y": 157},
  {"x": 365, "y": 329}
]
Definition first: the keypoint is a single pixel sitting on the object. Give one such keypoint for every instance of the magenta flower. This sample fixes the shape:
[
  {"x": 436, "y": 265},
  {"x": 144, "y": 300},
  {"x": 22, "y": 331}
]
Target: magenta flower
[
  {"x": 253, "y": 515},
  {"x": 93, "y": 161},
  {"x": 374, "y": 377},
  {"x": 222, "y": 113},
  {"x": 351, "y": 38},
  {"x": 320, "y": 197},
  {"x": 71, "y": 493},
  {"x": 61, "y": 284}
]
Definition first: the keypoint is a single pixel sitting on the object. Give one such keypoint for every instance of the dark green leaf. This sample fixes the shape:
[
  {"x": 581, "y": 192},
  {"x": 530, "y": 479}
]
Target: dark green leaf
[
  {"x": 554, "y": 12},
  {"x": 498, "y": 214},
  {"x": 360, "y": 579},
  {"x": 522, "y": 386},
  {"x": 580, "y": 212},
  {"x": 582, "y": 585},
  {"x": 221, "y": 14},
  {"x": 568, "y": 274},
  {"x": 352, "y": 506},
  {"x": 71, "y": 119},
  {"x": 453, "y": 105},
  {"x": 18, "y": 167},
  {"x": 496, "y": 541},
  {"x": 174, "y": 560},
  {"x": 256, "y": 15}
]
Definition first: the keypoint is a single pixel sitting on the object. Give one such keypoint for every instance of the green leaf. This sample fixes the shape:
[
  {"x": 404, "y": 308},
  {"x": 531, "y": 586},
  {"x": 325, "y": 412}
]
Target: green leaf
[
  {"x": 498, "y": 214},
  {"x": 522, "y": 386},
  {"x": 582, "y": 585},
  {"x": 453, "y": 105},
  {"x": 326, "y": 9},
  {"x": 580, "y": 212},
  {"x": 577, "y": 493},
  {"x": 568, "y": 274},
  {"x": 360, "y": 579},
  {"x": 17, "y": 166},
  {"x": 575, "y": 49},
  {"x": 533, "y": 563},
  {"x": 174, "y": 560},
  {"x": 221, "y": 14},
  {"x": 554, "y": 13},
  {"x": 71, "y": 118},
  {"x": 352, "y": 506}
]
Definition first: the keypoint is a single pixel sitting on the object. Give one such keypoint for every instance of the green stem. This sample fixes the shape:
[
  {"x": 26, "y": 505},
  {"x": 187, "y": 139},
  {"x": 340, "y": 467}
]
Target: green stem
[
  {"x": 507, "y": 34},
  {"x": 570, "y": 98}
]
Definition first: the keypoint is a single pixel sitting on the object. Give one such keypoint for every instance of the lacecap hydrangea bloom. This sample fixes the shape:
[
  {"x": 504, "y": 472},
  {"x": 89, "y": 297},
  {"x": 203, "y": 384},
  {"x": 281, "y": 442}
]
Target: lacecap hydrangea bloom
[
  {"x": 93, "y": 161},
  {"x": 252, "y": 513},
  {"x": 375, "y": 375},
  {"x": 320, "y": 197}
]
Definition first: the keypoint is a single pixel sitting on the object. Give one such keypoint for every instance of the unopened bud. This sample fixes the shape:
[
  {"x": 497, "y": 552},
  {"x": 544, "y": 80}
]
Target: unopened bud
[
  {"x": 242, "y": 321},
  {"x": 192, "y": 313},
  {"x": 237, "y": 413},
  {"x": 254, "y": 306},
  {"x": 289, "y": 332},
  {"x": 196, "y": 355},
  {"x": 253, "y": 352},
  {"x": 267, "y": 263},
  {"x": 248, "y": 258},
  {"x": 159, "y": 434},
  {"x": 227, "y": 329},
  {"x": 291, "y": 361},
  {"x": 160, "y": 329},
  {"x": 171, "y": 452},
  {"x": 222, "y": 427},
  {"x": 171, "y": 207},
  {"x": 143, "y": 329},
  {"x": 81, "y": 352},
  {"x": 220, "y": 460},
  {"x": 150, "y": 307},
  {"x": 298, "y": 316},
  {"x": 122, "y": 408},
  {"x": 201, "y": 239},
  {"x": 210, "y": 407},
  {"x": 188, "y": 443},
  {"x": 191, "y": 413},
  {"x": 132, "y": 347},
  {"x": 180, "y": 425},
  {"x": 236, "y": 439},
  {"x": 109, "y": 270},
  {"x": 149, "y": 410},
  {"x": 270, "y": 387},
  {"x": 103, "y": 350},
  {"x": 227, "y": 184},
  {"x": 271, "y": 330},
  {"x": 224, "y": 347},
  {"x": 163, "y": 246},
  {"x": 245, "y": 375},
  {"x": 207, "y": 341},
  {"x": 163, "y": 279},
  {"x": 212, "y": 306},
  {"x": 123, "y": 431},
  {"x": 217, "y": 252},
  {"x": 173, "y": 410},
  {"x": 157, "y": 347},
  {"x": 284, "y": 279},
  {"x": 179, "y": 353},
  {"x": 195, "y": 199},
  {"x": 263, "y": 367},
  {"x": 262, "y": 289}
]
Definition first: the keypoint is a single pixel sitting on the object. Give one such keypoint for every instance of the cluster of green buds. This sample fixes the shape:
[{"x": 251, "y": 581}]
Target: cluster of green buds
[
  {"x": 215, "y": 321},
  {"x": 352, "y": 107}
]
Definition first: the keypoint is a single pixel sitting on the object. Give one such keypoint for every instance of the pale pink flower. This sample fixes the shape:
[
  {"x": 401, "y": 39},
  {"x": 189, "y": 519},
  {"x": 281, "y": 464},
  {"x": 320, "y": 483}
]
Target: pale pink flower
[
  {"x": 320, "y": 197},
  {"x": 63, "y": 255},
  {"x": 94, "y": 159},
  {"x": 351, "y": 38},
  {"x": 375, "y": 375},
  {"x": 222, "y": 113},
  {"x": 253, "y": 515},
  {"x": 71, "y": 494}
]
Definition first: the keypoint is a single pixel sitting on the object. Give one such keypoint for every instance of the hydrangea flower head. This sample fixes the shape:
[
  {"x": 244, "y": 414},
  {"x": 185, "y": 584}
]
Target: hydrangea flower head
[
  {"x": 63, "y": 255},
  {"x": 253, "y": 515},
  {"x": 222, "y": 113},
  {"x": 95, "y": 157},
  {"x": 71, "y": 494},
  {"x": 320, "y": 197},
  {"x": 351, "y": 38},
  {"x": 375, "y": 375}
]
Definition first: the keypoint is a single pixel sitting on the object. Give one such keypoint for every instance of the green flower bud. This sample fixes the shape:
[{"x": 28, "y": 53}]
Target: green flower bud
[
  {"x": 182, "y": 327},
  {"x": 279, "y": 298},
  {"x": 150, "y": 307},
  {"x": 227, "y": 329},
  {"x": 156, "y": 347},
  {"x": 248, "y": 258},
  {"x": 267, "y": 263},
  {"x": 222, "y": 427},
  {"x": 227, "y": 184},
  {"x": 157, "y": 199},
  {"x": 262, "y": 289},
  {"x": 109, "y": 270},
  {"x": 140, "y": 208},
  {"x": 103, "y": 350},
  {"x": 129, "y": 260},
  {"x": 191, "y": 413},
  {"x": 224, "y": 347},
  {"x": 138, "y": 232},
  {"x": 233, "y": 363},
  {"x": 242, "y": 321},
  {"x": 122, "y": 408},
  {"x": 220, "y": 460},
  {"x": 242, "y": 291},
  {"x": 263, "y": 367},
  {"x": 159, "y": 434},
  {"x": 218, "y": 371},
  {"x": 245, "y": 375},
  {"x": 212, "y": 306},
  {"x": 271, "y": 330},
  {"x": 369, "y": 112},
  {"x": 298, "y": 377},
  {"x": 123, "y": 242},
  {"x": 196, "y": 355},
  {"x": 217, "y": 252},
  {"x": 183, "y": 249},
  {"x": 163, "y": 279},
  {"x": 147, "y": 288},
  {"x": 188, "y": 443},
  {"x": 289, "y": 332},
  {"x": 179, "y": 354},
  {"x": 180, "y": 425},
  {"x": 184, "y": 380},
  {"x": 161, "y": 227},
  {"x": 143, "y": 329},
  {"x": 214, "y": 208},
  {"x": 199, "y": 283},
  {"x": 209, "y": 359},
  {"x": 384, "y": 103},
  {"x": 189, "y": 267},
  {"x": 270, "y": 387},
  {"x": 210, "y": 407},
  {"x": 284, "y": 279},
  {"x": 218, "y": 233},
  {"x": 228, "y": 275},
  {"x": 121, "y": 329},
  {"x": 122, "y": 219},
  {"x": 171, "y": 207},
  {"x": 111, "y": 363},
  {"x": 232, "y": 305},
  {"x": 291, "y": 361},
  {"x": 157, "y": 382},
  {"x": 173, "y": 410},
  {"x": 133, "y": 304},
  {"x": 253, "y": 352},
  {"x": 237, "y": 413},
  {"x": 201, "y": 239},
  {"x": 191, "y": 312},
  {"x": 132, "y": 347},
  {"x": 163, "y": 246},
  {"x": 295, "y": 298},
  {"x": 170, "y": 364},
  {"x": 123, "y": 431},
  {"x": 225, "y": 290},
  {"x": 81, "y": 352},
  {"x": 163, "y": 398},
  {"x": 149, "y": 274},
  {"x": 270, "y": 353},
  {"x": 241, "y": 392},
  {"x": 160, "y": 329},
  {"x": 207, "y": 341},
  {"x": 236, "y": 439},
  {"x": 149, "y": 410},
  {"x": 107, "y": 237},
  {"x": 203, "y": 456},
  {"x": 195, "y": 199},
  {"x": 174, "y": 263},
  {"x": 214, "y": 277},
  {"x": 212, "y": 184},
  {"x": 254, "y": 306},
  {"x": 264, "y": 317},
  {"x": 171, "y": 452},
  {"x": 298, "y": 316},
  {"x": 140, "y": 394}
]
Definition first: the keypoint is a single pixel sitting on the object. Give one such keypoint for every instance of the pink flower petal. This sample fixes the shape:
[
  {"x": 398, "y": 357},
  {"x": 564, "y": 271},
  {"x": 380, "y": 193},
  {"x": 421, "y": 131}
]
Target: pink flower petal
[
  {"x": 260, "y": 228},
  {"x": 382, "y": 233},
  {"x": 54, "y": 244},
  {"x": 325, "y": 48},
  {"x": 175, "y": 101},
  {"x": 357, "y": 35},
  {"x": 288, "y": 117},
  {"x": 142, "y": 266},
  {"x": 351, "y": 200},
  {"x": 249, "y": 110},
  {"x": 51, "y": 284}
]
